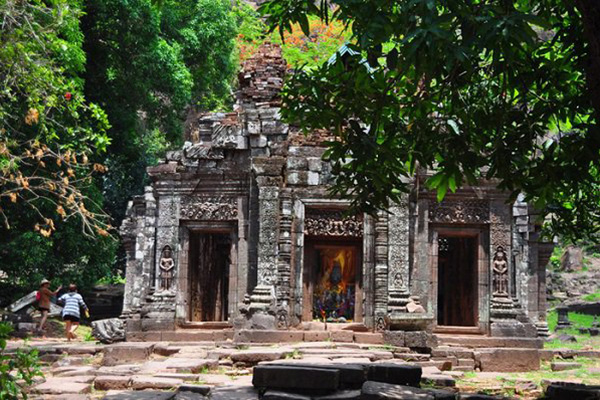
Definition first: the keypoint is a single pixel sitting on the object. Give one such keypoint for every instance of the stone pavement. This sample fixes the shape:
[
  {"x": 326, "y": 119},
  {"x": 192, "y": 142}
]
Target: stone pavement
[{"x": 140, "y": 370}]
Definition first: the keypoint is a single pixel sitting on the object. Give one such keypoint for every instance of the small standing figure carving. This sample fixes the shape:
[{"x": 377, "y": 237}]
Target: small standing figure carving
[
  {"x": 500, "y": 272},
  {"x": 166, "y": 268}
]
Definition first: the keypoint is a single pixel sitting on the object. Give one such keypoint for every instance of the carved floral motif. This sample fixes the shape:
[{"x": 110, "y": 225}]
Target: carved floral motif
[
  {"x": 332, "y": 223},
  {"x": 202, "y": 208},
  {"x": 460, "y": 211}
]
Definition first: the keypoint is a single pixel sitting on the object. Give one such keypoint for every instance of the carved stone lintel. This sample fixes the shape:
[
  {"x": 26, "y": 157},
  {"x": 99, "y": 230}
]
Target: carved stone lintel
[
  {"x": 332, "y": 223},
  {"x": 460, "y": 211},
  {"x": 204, "y": 208}
]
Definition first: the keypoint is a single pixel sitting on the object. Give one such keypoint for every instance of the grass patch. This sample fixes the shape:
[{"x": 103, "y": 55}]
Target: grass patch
[{"x": 592, "y": 297}]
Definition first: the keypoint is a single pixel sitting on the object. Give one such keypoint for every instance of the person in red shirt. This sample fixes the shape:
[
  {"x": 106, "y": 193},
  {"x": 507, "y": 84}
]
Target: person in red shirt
[{"x": 45, "y": 295}]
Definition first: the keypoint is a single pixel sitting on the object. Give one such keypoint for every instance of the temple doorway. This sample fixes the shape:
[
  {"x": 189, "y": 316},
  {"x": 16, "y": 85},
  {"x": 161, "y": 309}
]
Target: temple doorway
[
  {"x": 457, "y": 301},
  {"x": 209, "y": 260},
  {"x": 333, "y": 281}
]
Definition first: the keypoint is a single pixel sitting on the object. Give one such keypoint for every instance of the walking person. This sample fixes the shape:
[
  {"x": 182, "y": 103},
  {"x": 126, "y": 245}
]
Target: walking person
[
  {"x": 44, "y": 295},
  {"x": 73, "y": 302}
]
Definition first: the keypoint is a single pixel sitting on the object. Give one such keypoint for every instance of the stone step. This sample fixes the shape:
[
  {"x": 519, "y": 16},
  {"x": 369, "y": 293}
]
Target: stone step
[
  {"x": 479, "y": 341},
  {"x": 184, "y": 335}
]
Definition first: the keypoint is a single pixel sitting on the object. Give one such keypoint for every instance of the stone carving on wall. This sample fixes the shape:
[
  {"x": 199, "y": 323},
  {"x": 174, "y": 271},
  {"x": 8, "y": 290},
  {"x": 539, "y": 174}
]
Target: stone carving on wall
[
  {"x": 202, "y": 208},
  {"x": 460, "y": 211},
  {"x": 167, "y": 268},
  {"x": 500, "y": 269},
  {"x": 332, "y": 223},
  {"x": 225, "y": 136}
]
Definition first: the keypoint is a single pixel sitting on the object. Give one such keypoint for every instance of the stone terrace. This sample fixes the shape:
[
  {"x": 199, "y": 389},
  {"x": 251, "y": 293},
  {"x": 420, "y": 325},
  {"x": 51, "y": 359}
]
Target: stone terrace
[{"x": 145, "y": 369}]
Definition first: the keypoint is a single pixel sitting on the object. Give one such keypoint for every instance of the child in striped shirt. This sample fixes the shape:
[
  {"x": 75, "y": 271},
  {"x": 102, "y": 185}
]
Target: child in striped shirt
[{"x": 71, "y": 312}]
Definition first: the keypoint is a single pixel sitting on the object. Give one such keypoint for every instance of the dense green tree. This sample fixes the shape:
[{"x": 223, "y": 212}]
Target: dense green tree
[
  {"x": 501, "y": 90},
  {"x": 50, "y": 206},
  {"x": 147, "y": 64}
]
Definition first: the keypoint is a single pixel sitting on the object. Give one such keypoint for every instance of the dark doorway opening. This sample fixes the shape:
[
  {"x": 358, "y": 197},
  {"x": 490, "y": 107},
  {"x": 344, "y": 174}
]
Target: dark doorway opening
[
  {"x": 333, "y": 281},
  {"x": 457, "y": 280},
  {"x": 209, "y": 276}
]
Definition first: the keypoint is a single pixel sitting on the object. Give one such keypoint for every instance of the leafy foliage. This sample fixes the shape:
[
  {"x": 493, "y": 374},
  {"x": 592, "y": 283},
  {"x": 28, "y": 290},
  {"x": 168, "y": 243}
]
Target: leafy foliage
[
  {"x": 147, "y": 65},
  {"x": 47, "y": 128},
  {"x": 495, "y": 90},
  {"x": 17, "y": 370}
]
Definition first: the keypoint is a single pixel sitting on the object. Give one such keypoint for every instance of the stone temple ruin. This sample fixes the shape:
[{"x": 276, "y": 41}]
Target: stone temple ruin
[{"x": 237, "y": 233}]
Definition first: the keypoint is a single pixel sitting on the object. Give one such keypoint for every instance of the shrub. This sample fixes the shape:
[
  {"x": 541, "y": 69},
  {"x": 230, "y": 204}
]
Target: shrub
[{"x": 16, "y": 370}]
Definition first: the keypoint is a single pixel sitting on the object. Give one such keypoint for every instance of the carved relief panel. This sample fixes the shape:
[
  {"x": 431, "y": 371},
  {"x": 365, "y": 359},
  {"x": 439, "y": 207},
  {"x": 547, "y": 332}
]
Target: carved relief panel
[
  {"x": 334, "y": 223},
  {"x": 209, "y": 208},
  {"x": 460, "y": 212}
]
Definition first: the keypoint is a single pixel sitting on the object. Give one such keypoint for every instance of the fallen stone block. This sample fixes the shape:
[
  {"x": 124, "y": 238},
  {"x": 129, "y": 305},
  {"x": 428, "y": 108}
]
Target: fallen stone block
[
  {"x": 568, "y": 391},
  {"x": 234, "y": 393},
  {"x": 385, "y": 391},
  {"x": 564, "y": 366},
  {"x": 110, "y": 382},
  {"x": 189, "y": 365},
  {"x": 124, "y": 353},
  {"x": 508, "y": 360},
  {"x": 110, "y": 330},
  {"x": 256, "y": 356},
  {"x": 294, "y": 377},
  {"x": 141, "y": 395},
  {"x": 74, "y": 371},
  {"x": 352, "y": 376},
  {"x": 62, "y": 386},
  {"x": 152, "y": 382},
  {"x": 394, "y": 338},
  {"x": 203, "y": 390},
  {"x": 342, "y": 336},
  {"x": 397, "y": 374},
  {"x": 438, "y": 380},
  {"x": 341, "y": 395},
  {"x": 278, "y": 395}
]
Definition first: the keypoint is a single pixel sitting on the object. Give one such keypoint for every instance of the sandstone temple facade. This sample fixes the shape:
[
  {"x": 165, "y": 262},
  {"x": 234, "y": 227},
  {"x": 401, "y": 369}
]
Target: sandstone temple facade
[{"x": 237, "y": 231}]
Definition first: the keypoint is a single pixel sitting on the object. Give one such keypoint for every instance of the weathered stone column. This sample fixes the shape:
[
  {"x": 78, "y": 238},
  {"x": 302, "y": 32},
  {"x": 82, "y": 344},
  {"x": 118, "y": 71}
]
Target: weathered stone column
[
  {"x": 381, "y": 270},
  {"x": 398, "y": 250},
  {"x": 262, "y": 307},
  {"x": 284, "y": 271}
]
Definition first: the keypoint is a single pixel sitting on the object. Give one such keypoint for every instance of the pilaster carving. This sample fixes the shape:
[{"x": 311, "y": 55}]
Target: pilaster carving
[
  {"x": 500, "y": 271},
  {"x": 209, "y": 208},
  {"x": 398, "y": 269},
  {"x": 167, "y": 268},
  {"x": 381, "y": 263},
  {"x": 319, "y": 222}
]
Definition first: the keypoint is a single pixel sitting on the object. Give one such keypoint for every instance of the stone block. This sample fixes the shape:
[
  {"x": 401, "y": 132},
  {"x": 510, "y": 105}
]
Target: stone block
[
  {"x": 368, "y": 338},
  {"x": 397, "y": 374},
  {"x": 313, "y": 178},
  {"x": 110, "y": 382},
  {"x": 316, "y": 336},
  {"x": 297, "y": 178},
  {"x": 183, "y": 336},
  {"x": 256, "y": 356},
  {"x": 124, "y": 353},
  {"x": 313, "y": 326},
  {"x": 141, "y": 395},
  {"x": 438, "y": 380},
  {"x": 342, "y": 336},
  {"x": 234, "y": 393},
  {"x": 278, "y": 395},
  {"x": 258, "y": 141},
  {"x": 297, "y": 163},
  {"x": 293, "y": 377},
  {"x": 203, "y": 390},
  {"x": 466, "y": 362},
  {"x": 56, "y": 386},
  {"x": 74, "y": 371},
  {"x": 341, "y": 395},
  {"x": 189, "y": 365},
  {"x": 418, "y": 339},
  {"x": 568, "y": 391},
  {"x": 153, "y": 382},
  {"x": 384, "y": 391},
  {"x": 394, "y": 338},
  {"x": 315, "y": 164},
  {"x": 352, "y": 376},
  {"x": 508, "y": 360},
  {"x": 249, "y": 336},
  {"x": 564, "y": 366}
]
